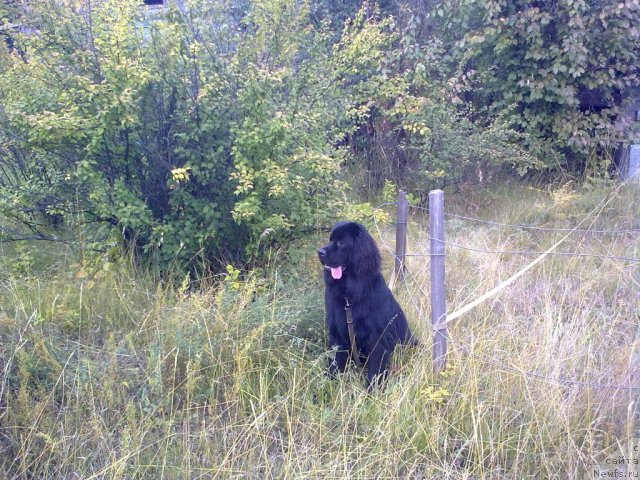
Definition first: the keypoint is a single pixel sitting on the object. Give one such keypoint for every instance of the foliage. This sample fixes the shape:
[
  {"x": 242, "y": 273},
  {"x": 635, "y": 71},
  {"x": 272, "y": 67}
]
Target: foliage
[
  {"x": 563, "y": 66},
  {"x": 191, "y": 142},
  {"x": 212, "y": 130},
  {"x": 472, "y": 85},
  {"x": 444, "y": 146},
  {"x": 416, "y": 129}
]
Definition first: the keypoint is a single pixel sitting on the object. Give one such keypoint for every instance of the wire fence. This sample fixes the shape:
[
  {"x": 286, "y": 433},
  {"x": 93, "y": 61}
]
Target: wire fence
[
  {"x": 556, "y": 380},
  {"x": 536, "y": 227},
  {"x": 530, "y": 252},
  {"x": 512, "y": 252}
]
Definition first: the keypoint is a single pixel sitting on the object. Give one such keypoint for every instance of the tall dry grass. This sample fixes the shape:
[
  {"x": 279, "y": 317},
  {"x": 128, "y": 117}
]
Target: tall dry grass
[{"x": 107, "y": 372}]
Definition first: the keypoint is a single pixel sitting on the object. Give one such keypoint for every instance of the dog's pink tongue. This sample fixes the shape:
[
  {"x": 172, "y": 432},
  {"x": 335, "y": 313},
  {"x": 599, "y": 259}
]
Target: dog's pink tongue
[{"x": 336, "y": 273}]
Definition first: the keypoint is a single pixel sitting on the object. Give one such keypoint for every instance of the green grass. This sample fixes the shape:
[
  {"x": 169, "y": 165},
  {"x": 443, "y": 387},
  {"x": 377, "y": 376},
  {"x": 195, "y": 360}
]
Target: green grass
[{"x": 109, "y": 373}]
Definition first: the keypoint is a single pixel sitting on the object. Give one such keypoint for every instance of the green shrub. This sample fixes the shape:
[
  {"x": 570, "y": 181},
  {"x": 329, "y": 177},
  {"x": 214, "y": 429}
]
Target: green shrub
[
  {"x": 195, "y": 134},
  {"x": 561, "y": 69}
]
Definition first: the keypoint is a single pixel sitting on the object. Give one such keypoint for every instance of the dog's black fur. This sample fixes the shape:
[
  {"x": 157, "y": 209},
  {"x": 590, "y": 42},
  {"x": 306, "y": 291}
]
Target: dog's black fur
[{"x": 353, "y": 257}]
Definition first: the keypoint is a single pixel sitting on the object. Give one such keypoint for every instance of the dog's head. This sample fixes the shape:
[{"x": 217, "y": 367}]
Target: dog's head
[{"x": 350, "y": 250}]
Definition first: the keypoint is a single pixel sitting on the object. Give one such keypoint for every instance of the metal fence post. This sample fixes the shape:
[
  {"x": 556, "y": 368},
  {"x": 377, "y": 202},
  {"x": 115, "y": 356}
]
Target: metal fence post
[
  {"x": 436, "y": 251},
  {"x": 401, "y": 239}
]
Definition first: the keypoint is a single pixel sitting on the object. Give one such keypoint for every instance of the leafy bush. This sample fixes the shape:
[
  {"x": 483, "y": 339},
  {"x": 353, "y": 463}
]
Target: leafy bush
[
  {"x": 416, "y": 129},
  {"x": 565, "y": 66},
  {"x": 192, "y": 133},
  {"x": 473, "y": 84}
]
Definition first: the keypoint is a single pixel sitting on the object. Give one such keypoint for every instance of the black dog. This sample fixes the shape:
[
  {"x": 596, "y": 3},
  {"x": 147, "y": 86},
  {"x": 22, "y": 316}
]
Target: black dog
[{"x": 352, "y": 276}]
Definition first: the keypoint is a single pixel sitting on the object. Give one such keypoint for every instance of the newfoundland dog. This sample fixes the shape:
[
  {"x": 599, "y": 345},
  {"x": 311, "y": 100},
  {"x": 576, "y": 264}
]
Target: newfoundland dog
[{"x": 357, "y": 294}]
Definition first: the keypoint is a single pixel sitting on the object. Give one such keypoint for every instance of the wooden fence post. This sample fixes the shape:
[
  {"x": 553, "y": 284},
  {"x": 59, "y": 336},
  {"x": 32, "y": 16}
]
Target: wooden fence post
[
  {"x": 401, "y": 239},
  {"x": 436, "y": 251}
]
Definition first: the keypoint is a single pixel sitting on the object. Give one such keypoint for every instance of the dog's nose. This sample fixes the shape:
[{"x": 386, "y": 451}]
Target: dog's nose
[{"x": 322, "y": 252}]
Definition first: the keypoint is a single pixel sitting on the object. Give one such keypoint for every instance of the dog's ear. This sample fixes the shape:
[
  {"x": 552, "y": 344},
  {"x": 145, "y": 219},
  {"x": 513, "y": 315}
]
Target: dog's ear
[{"x": 365, "y": 255}]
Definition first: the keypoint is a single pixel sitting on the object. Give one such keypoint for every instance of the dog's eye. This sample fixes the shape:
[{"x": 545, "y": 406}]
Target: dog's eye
[{"x": 340, "y": 243}]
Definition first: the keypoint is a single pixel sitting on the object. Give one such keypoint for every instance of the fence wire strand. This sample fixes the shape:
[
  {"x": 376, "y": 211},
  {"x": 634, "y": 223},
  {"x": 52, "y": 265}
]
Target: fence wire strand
[
  {"x": 513, "y": 252},
  {"x": 529, "y": 252},
  {"x": 518, "y": 252},
  {"x": 528, "y": 226},
  {"x": 543, "y": 229}
]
